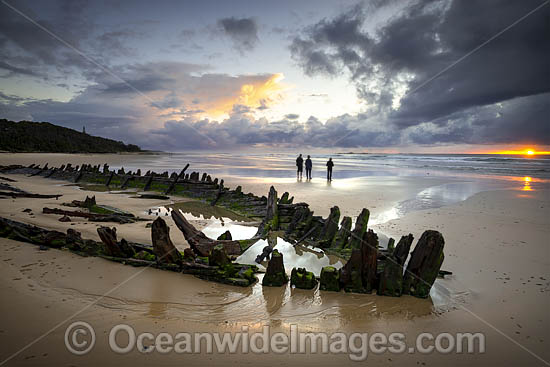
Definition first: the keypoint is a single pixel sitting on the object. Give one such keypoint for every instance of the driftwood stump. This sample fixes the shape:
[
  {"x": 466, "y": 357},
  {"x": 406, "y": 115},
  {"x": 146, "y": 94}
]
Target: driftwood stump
[
  {"x": 359, "y": 229},
  {"x": 369, "y": 254},
  {"x": 271, "y": 220},
  {"x": 359, "y": 273},
  {"x": 275, "y": 275},
  {"x": 391, "y": 278},
  {"x": 164, "y": 249},
  {"x": 149, "y": 182},
  {"x": 426, "y": 260},
  {"x": 330, "y": 228},
  {"x": 112, "y": 247},
  {"x": 342, "y": 237}
]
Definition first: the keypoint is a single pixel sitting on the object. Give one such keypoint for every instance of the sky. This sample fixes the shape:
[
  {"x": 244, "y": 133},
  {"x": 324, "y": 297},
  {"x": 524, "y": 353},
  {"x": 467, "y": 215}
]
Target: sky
[{"x": 382, "y": 76}]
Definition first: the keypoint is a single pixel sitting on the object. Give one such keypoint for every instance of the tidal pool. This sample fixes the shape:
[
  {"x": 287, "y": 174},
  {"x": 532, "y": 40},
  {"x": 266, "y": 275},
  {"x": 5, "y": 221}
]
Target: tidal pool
[{"x": 309, "y": 257}]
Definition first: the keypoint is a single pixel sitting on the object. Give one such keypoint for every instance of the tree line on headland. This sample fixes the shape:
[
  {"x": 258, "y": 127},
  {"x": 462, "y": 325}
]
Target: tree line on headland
[{"x": 28, "y": 136}]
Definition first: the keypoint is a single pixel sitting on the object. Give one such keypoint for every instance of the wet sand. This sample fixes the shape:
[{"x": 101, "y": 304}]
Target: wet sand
[{"x": 496, "y": 246}]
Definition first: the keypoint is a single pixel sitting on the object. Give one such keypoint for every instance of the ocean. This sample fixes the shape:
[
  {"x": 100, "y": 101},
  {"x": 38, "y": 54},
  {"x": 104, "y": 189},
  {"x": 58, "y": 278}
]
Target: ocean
[
  {"x": 350, "y": 165},
  {"x": 390, "y": 185}
]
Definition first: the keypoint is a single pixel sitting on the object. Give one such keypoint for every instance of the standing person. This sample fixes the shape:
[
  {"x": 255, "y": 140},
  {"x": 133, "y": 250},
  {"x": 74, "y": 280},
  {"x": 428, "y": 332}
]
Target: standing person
[
  {"x": 309, "y": 165},
  {"x": 300, "y": 165},
  {"x": 330, "y": 164}
]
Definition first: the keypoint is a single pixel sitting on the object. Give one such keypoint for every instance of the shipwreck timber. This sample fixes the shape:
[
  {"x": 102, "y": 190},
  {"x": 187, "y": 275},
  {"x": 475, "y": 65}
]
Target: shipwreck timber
[
  {"x": 368, "y": 268},
  {"x": 162, "y": 255}
]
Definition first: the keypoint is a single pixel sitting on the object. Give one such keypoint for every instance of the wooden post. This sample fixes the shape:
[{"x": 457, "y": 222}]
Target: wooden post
[
  {"x": 149, "y": 182},
  {"x": 164, "y": 249},
  {"x": 110, "y": 179},
  {"x": 218, "y": 195},
  {"x": 78, "y": 176},
  {"x": 125, "y": 183},
  {"x": 173, "y": 184}
]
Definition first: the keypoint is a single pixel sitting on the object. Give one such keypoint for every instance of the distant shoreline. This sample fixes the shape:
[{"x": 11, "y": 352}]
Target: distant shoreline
[{"x": 143, "y": 152}]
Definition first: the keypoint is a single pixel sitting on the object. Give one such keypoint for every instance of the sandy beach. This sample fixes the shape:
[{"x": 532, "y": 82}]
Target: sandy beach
[{"x": 496, "y": 247}]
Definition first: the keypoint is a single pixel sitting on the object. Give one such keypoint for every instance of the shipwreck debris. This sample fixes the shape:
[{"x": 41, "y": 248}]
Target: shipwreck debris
[
  {"x": 424, "y": 265},
  {"x": 368, "y": 267},
  {"x": 126, "y": 253},
  {"x": 93, "y": 217},
  {"x": 275, "y": 275},
  {"x": 302, "y": 279},
  {"x": 164, "y": 249},
  {"x": 199, "y": 242}
]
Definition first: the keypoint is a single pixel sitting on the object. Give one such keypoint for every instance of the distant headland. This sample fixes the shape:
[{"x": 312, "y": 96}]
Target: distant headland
[{"x": 44, "y": 137}]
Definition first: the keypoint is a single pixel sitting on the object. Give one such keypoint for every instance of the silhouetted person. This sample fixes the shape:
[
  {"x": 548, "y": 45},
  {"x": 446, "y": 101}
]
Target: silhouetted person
[
  {"x": 300, "y": 165},
  {"x": 330, "y": 164},
  {"x": 309, "y": 165}
]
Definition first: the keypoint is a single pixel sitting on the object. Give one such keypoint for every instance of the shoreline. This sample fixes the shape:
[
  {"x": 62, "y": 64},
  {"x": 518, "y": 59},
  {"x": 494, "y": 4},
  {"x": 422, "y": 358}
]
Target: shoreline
[{"x": 491, "y": 236}]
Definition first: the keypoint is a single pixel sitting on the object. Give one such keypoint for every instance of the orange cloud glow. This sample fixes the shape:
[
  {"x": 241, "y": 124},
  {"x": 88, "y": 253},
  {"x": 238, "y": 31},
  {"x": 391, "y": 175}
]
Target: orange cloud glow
[{"x": 260, "y": 93}]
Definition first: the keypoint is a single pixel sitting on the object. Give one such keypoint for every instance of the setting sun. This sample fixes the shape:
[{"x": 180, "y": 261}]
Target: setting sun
[{"x": 527, "y": 151}]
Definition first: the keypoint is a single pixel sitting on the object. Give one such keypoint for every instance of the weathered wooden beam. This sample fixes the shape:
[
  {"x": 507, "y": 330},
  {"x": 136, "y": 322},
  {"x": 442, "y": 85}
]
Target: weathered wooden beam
[
  {"x": 424, "y": 265},
  {"x": 52, "y": 171},
  {"x": 91, "y": 216},
  {"x": 391, "y": 277},
  {"x": 271, "y": 220},
  {"x": 330, "y": 228},
  {"x": 149, "y": 182},
  {"x": 360, "y": 228},
  {"x": 7, "y": 179},
  {"x": 40, "y": 171},
  {"x": 78, "y": 176},
  {"x": 275, "y": 275},
  {"x": 178, "y": 177},
  {"x": 369, "y": 253},
  {"x": 164, "y": 249},
  {"x": 108, "y": 237},
  {"x": 110, "y": 179},
  {"x": 113, "y": 247},
  {"x": 126, "y": 181},
  {"x": 28, "y": 195},
  {"x": 218, "y": 195},
  {"x": 199, "y": 242}
]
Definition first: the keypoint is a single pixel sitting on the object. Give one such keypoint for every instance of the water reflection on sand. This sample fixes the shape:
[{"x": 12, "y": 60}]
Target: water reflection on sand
[
  {"x": 311, "y": 258},
  {"x": 219, "y": 303}
]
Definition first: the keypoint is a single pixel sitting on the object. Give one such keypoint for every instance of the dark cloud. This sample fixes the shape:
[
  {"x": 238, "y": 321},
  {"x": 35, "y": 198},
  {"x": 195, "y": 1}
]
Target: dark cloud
[
  {"x": 115, "y": 42},
  {"x": 426, "y": 38},
  {"x": 12, "y": 98},
  {"x": 333, "y": 45},
  {"x": 242, "y": 130},
  {"x": 169, "y": 101},
  {"x": 242, "y": 31},
  {"x": 517, "y": 121},
  {"x": 29, "y": 48},
  {"x": 499, "y": 94},
  {"x": 14, "y": 70}
]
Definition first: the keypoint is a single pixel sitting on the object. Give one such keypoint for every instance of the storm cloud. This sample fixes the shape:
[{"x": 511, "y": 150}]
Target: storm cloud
[
  {"x": 420, "y": 75},
  {"x": 242, "y": 31},
  {"x": 392, "y": 68}
]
